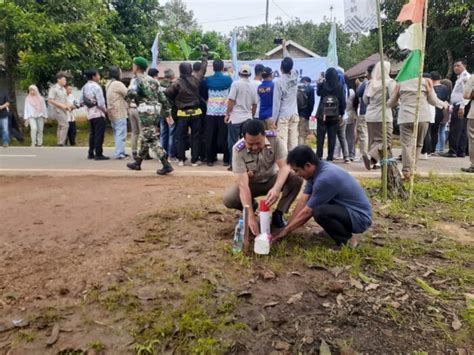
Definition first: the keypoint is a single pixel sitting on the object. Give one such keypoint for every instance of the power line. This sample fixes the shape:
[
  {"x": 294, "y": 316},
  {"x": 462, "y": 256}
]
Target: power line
[
  {"x": 235, "y": 18},
  {"x": 284, "y": 12}
]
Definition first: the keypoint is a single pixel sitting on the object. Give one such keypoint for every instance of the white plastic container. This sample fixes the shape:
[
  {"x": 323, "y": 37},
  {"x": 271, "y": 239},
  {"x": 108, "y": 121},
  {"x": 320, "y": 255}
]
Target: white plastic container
[{"x": 262, "y": 244}]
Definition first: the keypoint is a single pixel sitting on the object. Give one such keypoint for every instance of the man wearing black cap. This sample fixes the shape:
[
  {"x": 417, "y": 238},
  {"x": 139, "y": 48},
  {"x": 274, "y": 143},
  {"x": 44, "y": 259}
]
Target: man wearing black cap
[
  {"x": 145, "y": 91},
  {"x": 305, "y": 100}
]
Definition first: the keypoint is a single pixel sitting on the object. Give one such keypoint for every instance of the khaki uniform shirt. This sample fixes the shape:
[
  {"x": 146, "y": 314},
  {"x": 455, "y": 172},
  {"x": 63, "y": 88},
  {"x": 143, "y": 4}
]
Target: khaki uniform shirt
[
  {"x": 59, "y": 94},
  {"x": 468, "y": 90},
  {"x": 262, "y": 165}
]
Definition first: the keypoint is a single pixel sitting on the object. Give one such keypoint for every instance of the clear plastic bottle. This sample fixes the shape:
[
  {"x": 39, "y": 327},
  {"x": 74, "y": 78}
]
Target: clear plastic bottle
[{"x": 238, "y": 237}]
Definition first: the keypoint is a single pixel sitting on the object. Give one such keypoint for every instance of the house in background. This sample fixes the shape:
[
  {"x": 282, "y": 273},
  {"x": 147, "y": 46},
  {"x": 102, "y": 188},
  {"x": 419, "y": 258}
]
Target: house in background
[{"x": 296, "y": 51}]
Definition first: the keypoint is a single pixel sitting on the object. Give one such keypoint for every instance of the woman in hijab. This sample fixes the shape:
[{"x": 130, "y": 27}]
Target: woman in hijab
[
  {"x": 406, "y": 92},
  {"x": 330, "y": 111},
  {"x": 373, "y": 100},
  {"x": 34, "y": 115}
]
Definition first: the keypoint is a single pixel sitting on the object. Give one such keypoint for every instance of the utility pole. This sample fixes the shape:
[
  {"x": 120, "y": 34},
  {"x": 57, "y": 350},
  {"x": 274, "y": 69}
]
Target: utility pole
[{"x": 266, "y": 12}]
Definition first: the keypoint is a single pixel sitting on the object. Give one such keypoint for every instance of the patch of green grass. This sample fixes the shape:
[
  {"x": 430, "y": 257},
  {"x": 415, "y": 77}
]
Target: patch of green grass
[
  {"x": 50, "y": 140},
  {"x": 451, "y": 196},
  {"x": 192, "y": 327},
  {"x": 376, "y": 259},
  {"x": 97, "y": 345},
  {"x": 118, "y": 298},
  {"x": 26, "y": 336},
  {"x": 454, "y": 250},
  {"x": 462, "y": 276},
  {"x": 46, "y": 318},
  {"x": 407, "y": 247}
]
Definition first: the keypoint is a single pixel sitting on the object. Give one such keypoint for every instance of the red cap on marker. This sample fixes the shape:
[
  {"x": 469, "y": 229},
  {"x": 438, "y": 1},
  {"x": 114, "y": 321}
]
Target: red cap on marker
[{"x": 263, "y": 206}]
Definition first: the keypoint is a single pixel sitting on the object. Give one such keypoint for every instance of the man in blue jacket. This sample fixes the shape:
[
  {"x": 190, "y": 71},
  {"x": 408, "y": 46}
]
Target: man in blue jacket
[{"x": 218, "y": 86}]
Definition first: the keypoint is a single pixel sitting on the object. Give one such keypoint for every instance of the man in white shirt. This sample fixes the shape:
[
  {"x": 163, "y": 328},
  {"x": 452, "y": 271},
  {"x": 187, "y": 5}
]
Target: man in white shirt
[
  {"x": 242, "y": 105},
  {"x": 285, "y": 106},
  {"x": 257, "y": 80},
  {"x": 458, "y": 125}
]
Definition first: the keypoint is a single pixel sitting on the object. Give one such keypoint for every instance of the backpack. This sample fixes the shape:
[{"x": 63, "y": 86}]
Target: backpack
[
  {"x": 88, "y": 102},
  {"x": 330, "y": 107},
  {"x": 302, "y": 99}
]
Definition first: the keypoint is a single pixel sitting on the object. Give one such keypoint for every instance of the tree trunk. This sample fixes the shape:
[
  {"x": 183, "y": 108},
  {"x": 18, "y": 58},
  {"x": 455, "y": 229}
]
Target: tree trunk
[
  {"x": 449, "y": 54},
  {"x": 11, "y": 87},
  {"x": 395, "y": 181}
]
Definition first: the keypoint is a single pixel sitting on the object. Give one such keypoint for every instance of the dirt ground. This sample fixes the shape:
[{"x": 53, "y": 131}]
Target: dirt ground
[{"x": 143, "y": 265}]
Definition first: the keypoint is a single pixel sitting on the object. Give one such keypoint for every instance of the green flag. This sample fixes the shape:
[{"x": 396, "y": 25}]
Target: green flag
[
  {"x": 411, "y": 67},
  {"x": 332, "y": 49}
]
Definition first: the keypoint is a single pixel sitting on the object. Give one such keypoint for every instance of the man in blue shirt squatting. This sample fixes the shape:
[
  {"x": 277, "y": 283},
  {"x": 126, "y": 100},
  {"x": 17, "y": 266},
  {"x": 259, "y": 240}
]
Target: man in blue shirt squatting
[{"x": 331, "y": 196}]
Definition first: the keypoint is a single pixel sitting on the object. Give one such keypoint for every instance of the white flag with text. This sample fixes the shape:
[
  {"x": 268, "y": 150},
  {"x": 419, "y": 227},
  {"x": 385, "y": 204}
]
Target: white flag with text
[{"x": 361, "y": 15}]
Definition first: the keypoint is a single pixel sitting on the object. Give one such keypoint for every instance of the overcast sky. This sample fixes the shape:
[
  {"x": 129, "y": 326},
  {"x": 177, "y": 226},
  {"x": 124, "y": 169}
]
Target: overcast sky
[{"x": 224, "y": 15}]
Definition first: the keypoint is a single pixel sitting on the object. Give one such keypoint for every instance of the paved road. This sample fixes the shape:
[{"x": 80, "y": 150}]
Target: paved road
[{"x": 72, "y": 161}]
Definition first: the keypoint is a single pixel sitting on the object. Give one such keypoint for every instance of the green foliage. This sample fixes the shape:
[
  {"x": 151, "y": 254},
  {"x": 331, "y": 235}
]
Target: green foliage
[
  {"x": 449, "y": 32},
  {"x": 351, "y": 48}
]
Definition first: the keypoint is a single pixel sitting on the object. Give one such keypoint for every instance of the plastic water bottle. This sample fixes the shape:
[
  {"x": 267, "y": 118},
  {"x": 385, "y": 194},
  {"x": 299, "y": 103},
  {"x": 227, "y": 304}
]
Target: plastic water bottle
[
  {"x": 238, "y": 237},
  {"x": 264, "y": 218},
  {"x": 262, "y": 244}
]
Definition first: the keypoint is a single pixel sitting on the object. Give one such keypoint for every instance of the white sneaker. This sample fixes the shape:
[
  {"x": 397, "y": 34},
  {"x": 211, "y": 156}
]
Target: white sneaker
[
  {"x": 424, "y": 156},
  {"x": 196, "y": 164},
  {"x": 181, "y": 163}
]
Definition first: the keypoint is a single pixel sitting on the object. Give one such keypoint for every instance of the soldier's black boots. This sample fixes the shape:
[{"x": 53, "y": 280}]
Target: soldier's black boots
[
  {"x": 167, "y": 168},
  {"x": 136, "y": 165}
]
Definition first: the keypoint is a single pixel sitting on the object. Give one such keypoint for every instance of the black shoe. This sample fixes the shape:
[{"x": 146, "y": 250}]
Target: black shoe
[
  {"x": 468, "y": 170},
  {"x": 461, "y": 156},
  {"x": 91, "y": 156},
  {"x": 101, "y": 157},
  {"x": 229, "y": 168},
  {"x": 165, "y": 170},
  {"x": 59, "y": 145},
  {"x": 448, "y": 155},
  {"x": 277, "y": 220},
  {"x": 135, "y": 165}
]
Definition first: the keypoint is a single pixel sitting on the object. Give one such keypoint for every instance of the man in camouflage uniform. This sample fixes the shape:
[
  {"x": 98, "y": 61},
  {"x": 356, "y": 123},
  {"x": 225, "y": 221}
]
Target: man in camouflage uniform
[{"x": 151, "y": 101}]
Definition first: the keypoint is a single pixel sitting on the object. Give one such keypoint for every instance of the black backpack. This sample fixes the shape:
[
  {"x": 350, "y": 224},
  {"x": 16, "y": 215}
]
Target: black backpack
[
  {"x": 330, "y": 107},
  {"x": 88, "y": 102},
  {"x": 302, "y": 99}
]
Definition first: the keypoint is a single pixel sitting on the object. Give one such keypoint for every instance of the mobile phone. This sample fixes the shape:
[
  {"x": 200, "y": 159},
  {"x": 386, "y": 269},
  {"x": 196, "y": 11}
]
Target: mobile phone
[{"x": 278, "y": 41}]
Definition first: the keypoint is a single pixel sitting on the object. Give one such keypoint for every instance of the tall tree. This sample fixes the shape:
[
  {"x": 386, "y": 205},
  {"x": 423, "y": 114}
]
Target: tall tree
[
  {"x": 135, "y": 24},
  {"x": 44, "y": 37},
  {"x": 449, "y": 34}
]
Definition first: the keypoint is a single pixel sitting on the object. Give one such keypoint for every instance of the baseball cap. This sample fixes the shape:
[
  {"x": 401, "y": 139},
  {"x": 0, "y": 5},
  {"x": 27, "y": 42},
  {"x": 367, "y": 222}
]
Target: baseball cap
[
  {"x": 245, "y": 70},
  {"x": 267, "y": 71}
]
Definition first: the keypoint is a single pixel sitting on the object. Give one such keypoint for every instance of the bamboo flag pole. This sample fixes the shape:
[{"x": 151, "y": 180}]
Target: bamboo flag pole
[
  {"x": 418, "y": 102},
  {"x": 384, "y": 107}
]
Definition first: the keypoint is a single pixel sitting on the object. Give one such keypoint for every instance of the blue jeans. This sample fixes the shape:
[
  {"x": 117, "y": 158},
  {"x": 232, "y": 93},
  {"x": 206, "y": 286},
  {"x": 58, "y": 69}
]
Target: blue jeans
[
  {"x": 4, "y": 128},
  {"x": 119, "y": 127},
  {"x": 167, "y": 137},
  {"x": 441, "y": 138}
]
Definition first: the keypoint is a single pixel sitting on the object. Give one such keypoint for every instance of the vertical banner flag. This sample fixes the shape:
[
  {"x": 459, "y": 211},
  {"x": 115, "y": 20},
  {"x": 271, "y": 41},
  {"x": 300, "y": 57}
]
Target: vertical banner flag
[
  {"x": 332, "y": 49},
  {"x": 411, "y": 39},
  {"x": 154, "y": 51},
  {"x": 233, "y": 50},
  {"x": 360, "y": 15}
]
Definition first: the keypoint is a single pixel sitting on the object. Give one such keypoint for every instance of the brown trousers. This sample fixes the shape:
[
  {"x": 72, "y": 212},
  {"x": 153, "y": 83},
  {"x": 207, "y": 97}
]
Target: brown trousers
[
  {"x": 406, "y": 139},
  {"x": 376, "y": 139},
  {"x": 289, "y": 192}
]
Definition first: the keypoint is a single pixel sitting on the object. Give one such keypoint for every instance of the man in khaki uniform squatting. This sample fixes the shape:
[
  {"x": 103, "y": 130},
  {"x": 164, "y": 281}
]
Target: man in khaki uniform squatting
[{"x": 259, "y": 163}]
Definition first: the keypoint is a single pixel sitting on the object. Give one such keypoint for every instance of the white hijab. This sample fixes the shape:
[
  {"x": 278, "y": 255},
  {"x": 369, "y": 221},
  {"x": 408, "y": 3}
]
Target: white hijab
[{"x": 376, "y": 81}]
